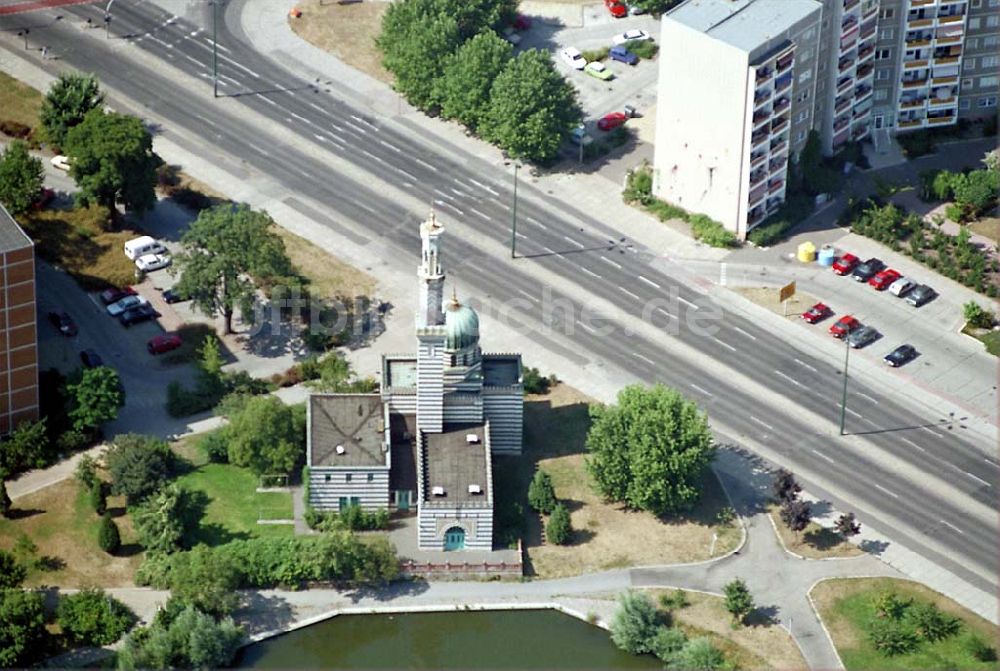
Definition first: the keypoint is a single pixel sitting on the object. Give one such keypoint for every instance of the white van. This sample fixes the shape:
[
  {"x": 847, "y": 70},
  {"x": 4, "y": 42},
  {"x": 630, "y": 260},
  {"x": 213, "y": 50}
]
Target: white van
[{"x": 143, "y": 245}]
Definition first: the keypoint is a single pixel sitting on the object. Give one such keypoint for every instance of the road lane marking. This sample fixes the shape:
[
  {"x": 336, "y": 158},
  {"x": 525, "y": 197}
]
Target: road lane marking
[
  {"x": 400, "y": 170},
  {"x": 853, "y": 412},
  {"x": 887, "y": 491},
  {"x": 258, "y": 149},
  {"x": 626, "y": 291},
  {"x": 391, "y": 146},
  {"x": 479, "y": 214},
  {"x": 268, "y": 101},
  {"x": 445, "y": 203},
  {"x": 484, "y": 187},
  {"x": 372, "y": 156},
  {"x": 443, "y": 194},
  {"x": 863, "y": 395},
  {"x": 589, "y": 272},
  {"x": 589, "y": 329},
  {"x": 699, "y": 389},
  {"x": 805, "y": 365},
  {"x": 949, "y": 524},
  {"x": 724, "y": 344},
  {"x": 976, "y": 477},
  {"x": 644, "y": 358},
  {"x": 425, "y": 164},
  {"x": 537, "y": 223},
  {"x": 364, "y": 121},
  {"x": 649, "y": 282},
  {"x": 932, "y": 432},
  {"x": 527, "y": 295},
  {"x": 823, "y": 456},
  {"x": 687, "y": 303},
  {"x": 790, "y": 379},
  {"x": 572, "y": 241},
  {"x": 914, "y": 444},
  {"x": 460, "y": 194},
  {"x": 667, "y": 314},
  {"x": 762, "y": 423},
  {"x": 752, "y": 337},
  {"x": 607, "y": 260},
  {"x": 551, "y": 251}
]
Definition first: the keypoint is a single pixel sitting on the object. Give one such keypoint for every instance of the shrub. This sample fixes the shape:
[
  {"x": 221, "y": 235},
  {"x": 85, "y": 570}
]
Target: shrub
[
  {"x": 676, "y": 599},
  {"x": 5, "y": 503},
  {"x": 711, "y": 232},
  {"x": 182, "y": 402},
  {"x": 596, "y": 54},
  {"x": 739, "y": 601},
  {"x": 12, "y": 572},
  {"x": 108, "y": 537},
  {"x": 639, "y": 185},
  {"x": 189, "y": 639},
  {"x": 977, "y": 316},
  {"x": 667, "y": 644},
  {"x": 22, "y": 627},
  {"x": 541, "y": 494},
  {"x": 980, "y": 649},
  {"x": 930, "y": 623},
  {"x": 636, "y": 623},
  {"x": 14, "y": 129},
  {"x": 892, "y": 637},
  {"x": 665, "y": 211},
  {"x": 215, "y": 445},
  {"x": 355, "y": 518},
  {"x": 98, "y": 497},
  {"x": 890, "y": 605},
  {"x": 92, "y": 617},
  {"x": 167, "y": 518},
  {"x": 138, "y": 466},
  {"x": 701, "y": 654},
  {"x": 795, "y": 210},
  {"x": 642, "y": 48},
  {"x": 916, "y": 143},
  {"x": 535, "y": 383},
  {"x": 559, "y": 529},
  {"x": 86, "y": 471}
]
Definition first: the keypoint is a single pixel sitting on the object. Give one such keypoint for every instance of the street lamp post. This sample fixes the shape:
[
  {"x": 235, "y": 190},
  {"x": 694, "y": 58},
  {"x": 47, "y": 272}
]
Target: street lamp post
[
  {"x": 513, "y": 217},
  {"x": 843, "y": 398},
  {"x": 24, "y": 33},
  {"x": 107, "y": 20}
]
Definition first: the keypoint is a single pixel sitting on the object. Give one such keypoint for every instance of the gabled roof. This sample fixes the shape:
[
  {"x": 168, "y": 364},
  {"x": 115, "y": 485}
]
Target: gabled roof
[{"x": 11, "y": 235}]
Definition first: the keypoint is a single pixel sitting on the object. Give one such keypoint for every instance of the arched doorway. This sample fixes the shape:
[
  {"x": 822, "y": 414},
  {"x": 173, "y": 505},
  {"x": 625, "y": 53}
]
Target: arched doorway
[{"x": 454, "y": 539}]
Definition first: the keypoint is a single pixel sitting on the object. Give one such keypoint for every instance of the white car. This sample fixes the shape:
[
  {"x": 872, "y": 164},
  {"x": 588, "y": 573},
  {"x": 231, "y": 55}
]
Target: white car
[
  {"x": 124, "y": 304},
  {"x": 630, "y": 36},
  {"x": 573, "y": 58},
  {"x": 901, "y": 286},
  {"x": 150, "y": 262},
  {"x": 60, "y": 161}
]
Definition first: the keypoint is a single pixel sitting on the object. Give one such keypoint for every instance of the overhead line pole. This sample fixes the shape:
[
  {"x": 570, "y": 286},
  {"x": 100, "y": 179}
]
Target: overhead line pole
[{"x": 843, "y": 398}]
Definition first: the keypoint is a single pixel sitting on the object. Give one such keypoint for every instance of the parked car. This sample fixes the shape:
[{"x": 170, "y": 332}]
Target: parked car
[
  {"x": 113, "y": 295},
  {"x": 599, "y": 70},
  {"x": 611, "y": 121},
  {"x": 636, "y": 10},
  {"x": 61, "y": 162},
  {"x": 882, "y": 280},
  {"x": 150, "y": 262},
  {"x": 64, "y": 323},
  {"x": 901, "y": 287},
  {"x": 126, "y": 303},
  {"x": 920, "y": 295},
  {"x": 173, "y": 296},
  {"x": 616, "y": 8},
  {"x": 143, "y": 245},
  {"x": 900, "y": 355},
  {"x": 164, "y": 343},
  {"x": 623, "y": 55},
  {"x": 817, "y": 313},
  {"x": 630, "y": 36},
  {"x": 845, "y": 264},
  {"x": 844, "y": 325},
  {"x": 866, "y": 270},
  {"x": 573, "y": 58},
  {"x": 141, "y": 313},
  {"x": 44, "y": 197},
  {"x": 91, "y": 359},
  {"x": 511, "y": 35},
  {"x": 863, "y": 336}
]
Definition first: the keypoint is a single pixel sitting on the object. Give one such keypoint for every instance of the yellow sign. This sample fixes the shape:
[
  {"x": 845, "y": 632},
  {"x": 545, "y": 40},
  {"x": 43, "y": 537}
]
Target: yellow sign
[{"x": 787, "y": 292}]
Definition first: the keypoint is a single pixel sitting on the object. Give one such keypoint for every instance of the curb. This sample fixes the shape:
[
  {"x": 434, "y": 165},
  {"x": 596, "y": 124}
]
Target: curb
[{"x": 781, "y": 541}]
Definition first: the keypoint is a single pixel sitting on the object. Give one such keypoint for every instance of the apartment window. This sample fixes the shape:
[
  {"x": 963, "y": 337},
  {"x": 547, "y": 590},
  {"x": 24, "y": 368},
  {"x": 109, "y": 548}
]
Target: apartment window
[
  {"x": 881, "y": 94},
  {"x": 808, "y": 35},
  {"x": 974, "y": 23},
  {"x": 994, "y": 3},
  {"x": 970, "y": 63},
  {"x": 347, "y": 478},
  {"x": 802, "y": 116},
  {"x": 992, "y": 21},
  {"x": 989, "y": 82},
  {"x": 887, "y": 33},
  {"x": 882, "y": 75},
  {"x": 990, "y": 101},
  {"x": 800, "y": 136},
  {"x": 326, "y": 478},
  {"x": 972, "y": 43},
  {"x": 805, "y": 76},
  {"x": 963, "y": 104},
  {"x": 882, "y": 54},
  {"x": 371, "y": 477},
  {"x": 988, "y": 41},
  {"x": 988, "y": 62},
  {"x": 888, "y": 13},
  {"x": 966, "y": 84},
  {"x": 803, "y": 96},
  {"x": 976, "y": 4}
]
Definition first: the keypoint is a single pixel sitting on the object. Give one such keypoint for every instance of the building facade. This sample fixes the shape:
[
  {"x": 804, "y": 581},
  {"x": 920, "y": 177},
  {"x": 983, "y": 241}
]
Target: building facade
[
  {"x": 427, "y": 439},
  {"x": 743, "y": 82},
  {"x": 18, "y": 326}
]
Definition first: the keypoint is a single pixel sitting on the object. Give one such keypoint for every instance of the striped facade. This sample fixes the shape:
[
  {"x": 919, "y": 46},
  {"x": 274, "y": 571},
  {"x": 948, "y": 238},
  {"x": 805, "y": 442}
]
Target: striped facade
[
  {"x": 18, "y": 328},
  {"x": 330, "y": 488},
  {"x": 430, "y": 379},
  {"x": 463, "y": 408},
  {"x": 504, "y": 408}
]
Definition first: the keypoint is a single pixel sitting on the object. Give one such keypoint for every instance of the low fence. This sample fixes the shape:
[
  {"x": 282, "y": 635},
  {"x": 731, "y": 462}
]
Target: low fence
[{"x": 449, "y": 568}]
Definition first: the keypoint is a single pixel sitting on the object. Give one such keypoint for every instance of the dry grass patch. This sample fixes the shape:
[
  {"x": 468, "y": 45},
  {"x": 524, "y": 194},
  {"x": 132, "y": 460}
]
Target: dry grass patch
[
  {"x": 606, "y": 535},
  {"x": 756, "y": 646},
  {"x": 768, "y": 297},
  {"x": 19, "y": 102},
  {"x": 61, "y": 523},
  {"x": 346, "y": 31},
  {"x": 328, "y": 275},
  {"x": 988, "y": 227},
  {"x": 815, "y": 541}
]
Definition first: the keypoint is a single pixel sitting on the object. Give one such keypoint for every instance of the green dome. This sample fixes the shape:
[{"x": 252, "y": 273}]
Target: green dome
[{"x": 461, "y": 325}]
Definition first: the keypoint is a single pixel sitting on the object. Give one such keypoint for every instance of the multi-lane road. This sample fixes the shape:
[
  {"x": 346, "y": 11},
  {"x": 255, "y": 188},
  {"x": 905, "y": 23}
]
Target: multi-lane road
[{"x": 934, "y": 488}]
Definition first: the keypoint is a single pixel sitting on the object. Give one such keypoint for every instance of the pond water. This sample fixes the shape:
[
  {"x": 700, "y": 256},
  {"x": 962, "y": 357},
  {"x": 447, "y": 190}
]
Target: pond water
[{"x": 535, "y": 639}]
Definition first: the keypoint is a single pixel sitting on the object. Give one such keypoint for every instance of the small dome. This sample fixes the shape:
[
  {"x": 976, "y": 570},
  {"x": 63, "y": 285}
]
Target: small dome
[{"x": 461, "y": 325}]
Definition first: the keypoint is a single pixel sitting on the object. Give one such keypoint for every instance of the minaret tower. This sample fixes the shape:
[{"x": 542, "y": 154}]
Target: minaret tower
[
  {"x": 431, "y": 274},
  {"x": 430, "y": 329}
]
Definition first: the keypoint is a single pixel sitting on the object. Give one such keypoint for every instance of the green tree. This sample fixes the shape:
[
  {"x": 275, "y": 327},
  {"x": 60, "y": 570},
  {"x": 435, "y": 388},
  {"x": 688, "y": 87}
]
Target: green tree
[
  {"x": 892, "y": 637},
  {"x": 415, "y": 46},
  {"x": 66, "y": 104},
  {"x": 191, "y": 640},
  {"x": 930, "y": 623},
  {"x": 86, "y": 471},
  {"x": 463, "y": 89},
  {"x": 977, "y": 315},
  {"x": 265, "y": 437},
  {"x": 21, "y": 178},
  {"x": 655, "y": 6},
  {"x": 532, "y": 108},
  {"x": 167, "y": 518},
  {"x": 108, "y": 537},
  {"x": 206, "y": 580},
  {"x": 5, "y": 503},
  {"x": 739, "y": 601},
  {"x": 541, "y": 494},
  {"x": 98, "y": 497},
  {"x": 25, "y": 448},
  {"x": 113, "y": 161},
  {"x": 12, "y": 572},
  {"x": 635, "y": 624},
  {"x": 650, "y": 449},
  {"x": 559, "y": 529},
  {"x": 226, "y": 249},
  {"x": 785, "y": 487},
  {"x": 977, "y": 190},
  {"x": 699, "y": 654},
  {"x": 847, "y": 525},
  {"x": 95, "y": 398},
  {"x": 138, "y": 465},
  {"x": 22, "y": 627},
  {"x": 93, "y": 617},
  {"x": 667, "y": 644}
]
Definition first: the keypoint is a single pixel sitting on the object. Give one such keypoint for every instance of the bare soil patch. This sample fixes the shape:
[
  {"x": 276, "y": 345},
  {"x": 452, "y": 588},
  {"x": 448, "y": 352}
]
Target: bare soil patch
[
  {"x": 815, "y": 541},
  {"x": 768, "y": 297},
  {"x": 346, "y": 31}
]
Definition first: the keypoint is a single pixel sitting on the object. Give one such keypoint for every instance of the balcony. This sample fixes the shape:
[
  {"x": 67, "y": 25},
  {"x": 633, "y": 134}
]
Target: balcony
[
  {"x": 910, "y": 123},
  {"x": 941, "y": 120},
  {"x": 914, "y": 83},
  {"x": 840, "y": 140},
  {"x": 779, "y": 125},
  {"x": 781, "y": 105},
  {"x": 842, "y": 105},
  {"x": 761, "y": 98},
  {"x": 755, "y": 216},
  {"x": 912, "y": 103},
  {"x": 757, "y": 177},
  {"x": 784, "y": 63},
  {"x": 870, "y": 12},
  {"x": 757, "y": 157},
  {"x": 862, "y": 93},
  {"x": 779, "y": 145},
  {"x": 757, "y": 195},
  {"x": 774, "y": 202},
  {"x": 919, "y": 23},
  {"x": 918, "y": 41},
  {"x": 952, "y": 38},
  {"x": 949, "y": 20},
  {"x": 841, "y": 125},
  {"x": 783, "y": 83},
  {"x": 775, "y": 185},
  {"x": 777, "y": 165},
  {"x": 845, "y": 63},
  {"x": 850, "y": 4},
  {"x": 946, "y": 60},
  {"x": 921, "y": 3},
  {"x": 849, "y": 24},
  {"x": 916, "y": 64},
  {"x": 763, "y": 75},
  {"x": 864, "y": 71},
  {"x": 950, "y": 79},
  {"x": 867, "y": 30},
  {"x": 860, "y": 132},
  {"x": 934, "y": 101},
  {"x": 844, "y": 83},
  {"x": 865, "y": 53},
  {"x": 861, "y": 113},
  {"x": 758, "y": 137}
]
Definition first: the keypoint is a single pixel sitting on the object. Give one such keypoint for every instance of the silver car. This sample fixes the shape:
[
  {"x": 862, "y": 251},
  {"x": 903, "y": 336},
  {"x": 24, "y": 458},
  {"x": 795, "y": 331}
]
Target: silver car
[
  {"x": 901, "y": 287},
  {"x": 865, "y": 335}
]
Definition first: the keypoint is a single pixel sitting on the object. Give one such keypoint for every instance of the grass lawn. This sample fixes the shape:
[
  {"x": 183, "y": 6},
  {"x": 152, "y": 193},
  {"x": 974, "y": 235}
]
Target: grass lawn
[
  {"x": 193, "y": 336},
  {"x": 605, "y": 534},
  {"x": 845, "y": 606},
  {"x": 814, "y": 542},
  {"x": 234, "y": 505},
  {"x": 762, "y": 645},
  {"x": 60, "y": 521},
  {"x": 19, "y": 102},
  {"x": 329, "y": 276},
  {"x": 346, "y": 31},
  {"x": 988, "y": 227},
  {"x": 989, "y": 338},
  {"x": 75, "y": 240}
]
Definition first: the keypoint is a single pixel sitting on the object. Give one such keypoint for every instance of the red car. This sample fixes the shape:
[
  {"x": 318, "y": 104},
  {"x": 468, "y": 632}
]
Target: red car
[
  {"x": 109, "y": 296},
  {"x": 164, "y": 343},
  {"x": 522, "y": 22},
  {"x": 844, "y": 325},
  {"x": 816, "y": 313},
  {"x": 845, "y": 264},
  {"x": 612, "y": 121},
  {"x": 45, "y": 196},
  {"x": 617, "y": 8},
  {"x": 882, "y": 280}
]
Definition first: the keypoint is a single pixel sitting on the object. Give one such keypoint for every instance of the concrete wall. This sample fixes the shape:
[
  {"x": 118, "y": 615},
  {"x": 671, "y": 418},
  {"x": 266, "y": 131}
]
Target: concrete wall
[
  {"x": 328, "y": 485},
  {"x": 476, "y": 521}
]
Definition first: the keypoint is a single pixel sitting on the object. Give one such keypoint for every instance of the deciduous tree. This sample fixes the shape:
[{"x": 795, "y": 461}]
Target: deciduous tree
[
  {"x": 700, "y": 654},
  {"x": 739, "y": 601},
  {"x": 12, "y": 572},
  {"x": 463, "y": 89},
  {"x": 785, "y": 486},
  {"x": 226, "y": 249},
  {"x": 22, "y": 627},
  {"x": 67, "y": 102},
  {"x": 166, "y": 518},
  {"x": 191, "y": 640},
  {"x": 635, "y": 624},
  {"x": 847, "y": 525},
  {"x": 93, "y": 617},
  {"x": 796, "y": 515},
  {"x": 25, "y": 448},
  {"x": 95, "y": 398},
  {"x": 5, "y": 502},
  {"x": 667, "y": 644},
  {"x": 21, "y": 178},
  {"x": 113, "y": 161},
  {"x": 265, "y": 437},
  {"x": 206, "y": 580},
  {"x": 650, "y": 449},
  {"x": 415, "y": 44}
]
